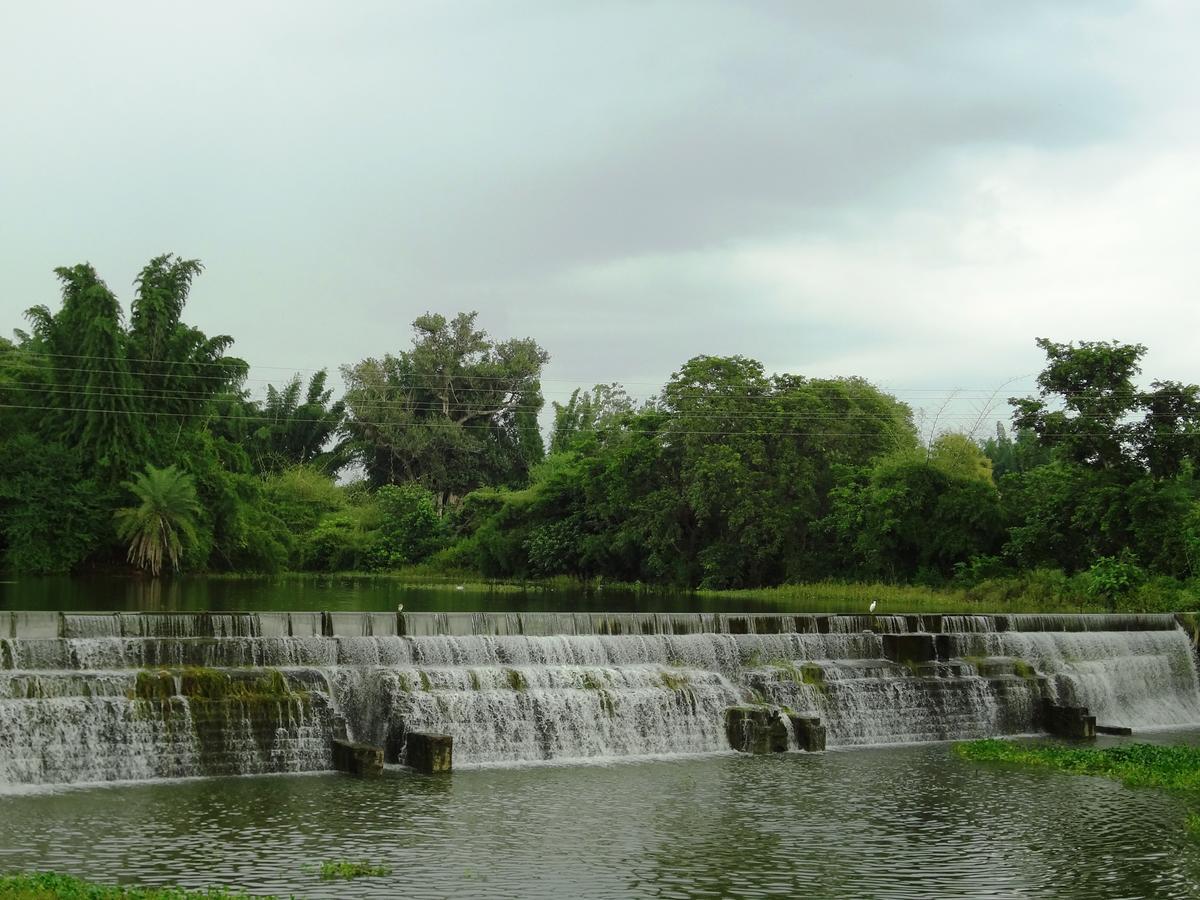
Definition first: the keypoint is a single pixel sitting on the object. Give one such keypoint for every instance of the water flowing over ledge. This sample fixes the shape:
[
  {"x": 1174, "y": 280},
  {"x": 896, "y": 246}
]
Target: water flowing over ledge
[
  {"x": 117, "y": 696},
  {"x": 417, "y": 624}
]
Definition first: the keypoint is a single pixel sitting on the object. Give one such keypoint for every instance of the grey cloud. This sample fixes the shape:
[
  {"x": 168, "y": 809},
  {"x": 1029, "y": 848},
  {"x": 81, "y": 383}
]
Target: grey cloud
[{"x": 341, "y": 168}]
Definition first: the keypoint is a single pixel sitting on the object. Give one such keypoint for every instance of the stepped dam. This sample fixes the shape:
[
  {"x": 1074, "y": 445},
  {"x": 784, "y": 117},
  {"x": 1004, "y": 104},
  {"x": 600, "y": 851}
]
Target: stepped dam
[{"x": 116, "y": 696}]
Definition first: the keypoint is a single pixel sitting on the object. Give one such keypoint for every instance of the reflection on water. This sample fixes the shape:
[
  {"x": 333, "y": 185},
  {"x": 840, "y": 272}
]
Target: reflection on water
[
  {"x": 890, "y": 822},
  {"x": 342, "y": 592}
]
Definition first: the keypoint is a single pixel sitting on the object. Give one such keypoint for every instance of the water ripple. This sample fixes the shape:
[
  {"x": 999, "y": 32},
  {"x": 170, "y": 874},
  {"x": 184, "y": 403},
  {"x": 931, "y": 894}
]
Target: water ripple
[{"x": 898, "y": 822}]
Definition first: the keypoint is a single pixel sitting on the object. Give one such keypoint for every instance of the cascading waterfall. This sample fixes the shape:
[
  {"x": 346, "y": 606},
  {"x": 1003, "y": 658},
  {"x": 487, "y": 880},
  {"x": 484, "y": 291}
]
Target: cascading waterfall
[{"x": 131, "y": 696}]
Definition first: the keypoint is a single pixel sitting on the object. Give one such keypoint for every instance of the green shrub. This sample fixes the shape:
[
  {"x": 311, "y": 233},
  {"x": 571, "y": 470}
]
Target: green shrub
[
  {"x": 342, "y": 541},
  {"x": 409, "y": 525},
  {"x": 1113, "y": 579}
]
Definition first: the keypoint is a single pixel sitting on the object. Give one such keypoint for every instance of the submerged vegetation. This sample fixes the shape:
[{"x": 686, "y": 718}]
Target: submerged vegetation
[
  {"x": 1172, "y": 768},
  {"x": 133, "y": 440}
]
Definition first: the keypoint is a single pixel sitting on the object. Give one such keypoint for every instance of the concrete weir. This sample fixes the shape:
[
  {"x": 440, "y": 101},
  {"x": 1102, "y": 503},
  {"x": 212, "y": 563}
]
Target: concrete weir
[{"x": 172, "y": 694}]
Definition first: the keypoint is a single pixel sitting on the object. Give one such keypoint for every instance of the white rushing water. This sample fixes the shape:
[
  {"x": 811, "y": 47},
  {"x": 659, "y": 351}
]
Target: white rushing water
[{"x": 82, "y": 697}]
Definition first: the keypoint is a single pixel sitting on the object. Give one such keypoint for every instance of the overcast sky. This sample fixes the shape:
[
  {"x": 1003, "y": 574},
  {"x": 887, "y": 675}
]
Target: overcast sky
[{"x": 911, "y": 192}]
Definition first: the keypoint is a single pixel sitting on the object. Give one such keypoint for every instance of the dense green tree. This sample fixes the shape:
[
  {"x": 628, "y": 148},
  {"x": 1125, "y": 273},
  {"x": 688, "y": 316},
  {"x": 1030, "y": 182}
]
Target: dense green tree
[
  {"x": 457, "y": 411},
  {"x": 1168, "y": 437},
  {"x": 756, "y": 461},
  {"x": 1122, "y": 480},
  {"x": 408, "y": 523},
  {"x": 1014, "y": 455},
  {"x": 906, "y": 519},
  {"x": 718, "y": 482},
  {"x": 53, "y": 516},
  {"x": 1092, "y": 383},
  {"x": 83, "y": 385},
  {"x": 960, "y": 457},
  {"x": 586, "y": 412},
  {"x": 121, "y": 397},
  {"x": 163, "y": 518},
  {"x": 177, "y": 368},
  {"x": 295, "y": 426}
]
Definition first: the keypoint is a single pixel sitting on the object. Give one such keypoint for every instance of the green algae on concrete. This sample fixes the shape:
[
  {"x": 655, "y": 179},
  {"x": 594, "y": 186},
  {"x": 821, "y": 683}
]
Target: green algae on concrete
[
  {"x": 223, "y": 709},
  {"x": 675, "y": 681},
  {"x": 516, "y": 680}
]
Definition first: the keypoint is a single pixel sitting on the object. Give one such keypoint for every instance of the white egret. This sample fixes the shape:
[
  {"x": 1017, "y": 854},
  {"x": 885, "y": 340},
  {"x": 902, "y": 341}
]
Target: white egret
[
  {"x": 871, "y": 608},
  {"x": 399, "y": 607},
  {"x": 460, "y": 587}
]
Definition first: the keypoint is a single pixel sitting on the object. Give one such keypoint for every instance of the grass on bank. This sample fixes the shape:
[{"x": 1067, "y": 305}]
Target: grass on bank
[
  {"x": 51, "y": 886},
  {"x": 1037, "y": 591},
  {"x": 1169, "y": 767}
]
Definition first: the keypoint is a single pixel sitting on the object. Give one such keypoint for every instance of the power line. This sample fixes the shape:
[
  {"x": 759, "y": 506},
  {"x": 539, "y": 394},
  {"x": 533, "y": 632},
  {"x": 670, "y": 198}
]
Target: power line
[
  {"x": 415, "y": 406},
  {"x": 746, "y": 409},
  {"x": 666, "y": 431},
  {"x": 434, "y": 379}
]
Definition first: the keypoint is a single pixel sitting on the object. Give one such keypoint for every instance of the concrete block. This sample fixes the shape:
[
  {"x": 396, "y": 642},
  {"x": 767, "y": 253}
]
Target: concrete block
[
  {"x": 357, "y": 759},
  {"x": 755, "y": 729},
  {"x": 1067, "y": 721},
  {"x": 904, "y": 648},
  {"x": 430, "y": 754},
  {"x": 810, "y": 733}
]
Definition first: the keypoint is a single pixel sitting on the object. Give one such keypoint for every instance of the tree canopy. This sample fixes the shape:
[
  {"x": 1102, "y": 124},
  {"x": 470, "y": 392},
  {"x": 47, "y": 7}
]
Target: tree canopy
[
  {"x": 135, "y": 440},
  {"x": 455, "y": 412}
]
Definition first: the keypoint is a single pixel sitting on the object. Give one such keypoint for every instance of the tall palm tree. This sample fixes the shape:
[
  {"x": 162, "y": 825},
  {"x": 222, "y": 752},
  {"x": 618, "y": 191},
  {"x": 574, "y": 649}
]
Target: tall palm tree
[{"x": 168, "y": 509}]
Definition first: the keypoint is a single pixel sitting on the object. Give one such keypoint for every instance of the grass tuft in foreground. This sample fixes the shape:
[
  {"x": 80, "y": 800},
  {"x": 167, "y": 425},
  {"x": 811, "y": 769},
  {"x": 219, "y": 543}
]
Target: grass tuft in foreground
[{"x": 51, "y": 886}]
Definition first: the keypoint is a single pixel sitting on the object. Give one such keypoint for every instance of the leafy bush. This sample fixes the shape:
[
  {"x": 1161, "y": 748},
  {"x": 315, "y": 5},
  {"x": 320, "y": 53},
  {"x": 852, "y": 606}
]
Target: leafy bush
[
  {"x": 1112, "y": 579},
  {"x": 979, "y": 568},
  {"x": 408, "y": 523},
  {"x": 342, "y": 541},
  {"x": 51, "y": 517},
  {"x": 300, "y": 496}
]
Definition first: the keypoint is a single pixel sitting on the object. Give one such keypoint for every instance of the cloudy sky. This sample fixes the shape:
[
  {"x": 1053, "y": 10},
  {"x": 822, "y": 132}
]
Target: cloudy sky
[{"x": 910, "y": 192}]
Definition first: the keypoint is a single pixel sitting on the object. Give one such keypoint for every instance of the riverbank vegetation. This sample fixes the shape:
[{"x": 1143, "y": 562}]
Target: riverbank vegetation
[
  {"x": 51, "y": 886},
  {"x": 135, "y": 442},
  {"x": 1172, "y": 768}
]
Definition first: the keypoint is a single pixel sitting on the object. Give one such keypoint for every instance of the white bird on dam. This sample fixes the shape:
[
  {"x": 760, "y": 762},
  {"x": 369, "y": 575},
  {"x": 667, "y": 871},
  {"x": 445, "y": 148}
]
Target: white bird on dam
[
  {"x": 460, "y": 587},
  {"x": 399, "y": 607},
  {"x": 871, "y": 608}
]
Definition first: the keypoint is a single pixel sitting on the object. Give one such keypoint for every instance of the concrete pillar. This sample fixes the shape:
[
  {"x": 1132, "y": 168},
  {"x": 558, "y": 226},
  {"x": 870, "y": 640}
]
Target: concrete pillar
[
  {"x": 429, "y": 753},
  {"x": 904, "y": 648},
  {"x": 755, "y": 729},
  {"x": 810, "y": 733},
  {"x": 357, "y": 759},
  {"x": 1067, "y": 721}
]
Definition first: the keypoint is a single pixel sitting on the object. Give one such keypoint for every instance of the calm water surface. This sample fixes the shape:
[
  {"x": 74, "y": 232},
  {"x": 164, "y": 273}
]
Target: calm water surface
[
  {"x": 337, "y": 593},
  {"x": 893, "y": 822}
]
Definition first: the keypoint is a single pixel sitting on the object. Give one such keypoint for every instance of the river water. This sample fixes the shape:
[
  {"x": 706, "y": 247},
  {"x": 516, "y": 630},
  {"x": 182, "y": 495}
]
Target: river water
[
  {"x": 888, "y": 822},
  {"x": 382, "y": 593},
  {"x": 334, "y": 593}
]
